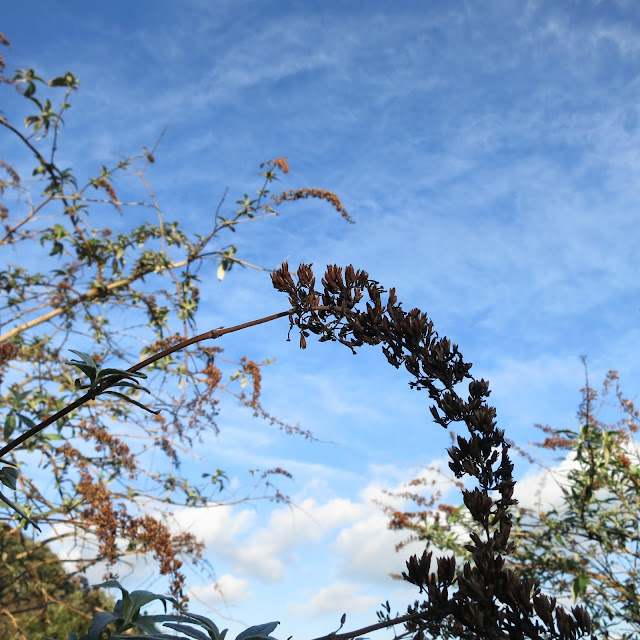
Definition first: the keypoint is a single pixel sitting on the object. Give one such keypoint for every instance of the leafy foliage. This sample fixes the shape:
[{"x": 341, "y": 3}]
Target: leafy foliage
[
  {"x": 586, "y": 543},
  {"x": 116, "y": 293},
  {"x": 37, "y": 594},
  {"x": 480, "y": 598},
  {"x": 127, "y": 615},
  {"x": 487, "y": 599}
]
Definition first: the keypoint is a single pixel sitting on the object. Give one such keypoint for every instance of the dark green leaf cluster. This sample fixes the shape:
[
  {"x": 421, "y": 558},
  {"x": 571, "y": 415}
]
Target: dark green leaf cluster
[
  {"x": 35, "y": 588},
  {"x": 101, "y": 380},
  {"x": 127, "y": 615}
]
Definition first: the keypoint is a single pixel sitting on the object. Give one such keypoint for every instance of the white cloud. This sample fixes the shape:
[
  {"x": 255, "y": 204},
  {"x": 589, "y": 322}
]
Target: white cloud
[
  {"x": 228, "y": 589},
  {"x": 367, "y": 550},
  {"x": 263, "y": 551},
  {"x": 540, "y": 488},
  {"x": 338, "y": 597},
  {"x": 217, "y": 523},
  {"x": 271, "y": 548}
]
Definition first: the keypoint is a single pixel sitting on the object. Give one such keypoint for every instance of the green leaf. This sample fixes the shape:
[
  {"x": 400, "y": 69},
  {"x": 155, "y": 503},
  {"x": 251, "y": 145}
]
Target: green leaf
[
  {"x": 19, "y": 511},
  {"x": 30, "y": 90},
  {"x": 579, "y": 587},
  {"x": 203, "y": 621},
  {"x": 137, "y": 600},
  {"x": 99, "y": 624},
  {"x": 258, "y": 631},
  {"x": 57, "y": 248},
  {"x": 85, "y": 368},
  {"x": 67, "y": 80},
  {"x": 86, "y": 357},
  {"x": 26, "y": 421},
  {"x": 143, "y": 597},
  {"x": 129, "y": 385},
  {"x": 220, "y": 271},
  {"x": 111, "y": 584},
  {"x": 9, "y": 425},
  {"x": 121, "y": 372},
  {"x": 188, "y": 631},
  {"x": 119, "y": 381},
  {"x": 132, "y": 401},
  {"x": 87, "y": 365},
  {"x": 9, "y": 477}
]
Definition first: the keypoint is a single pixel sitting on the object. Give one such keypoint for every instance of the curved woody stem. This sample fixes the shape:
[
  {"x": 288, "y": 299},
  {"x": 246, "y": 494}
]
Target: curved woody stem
[
  {"x": 483, "y": 598},
  {"x": 208, "y": 335}
]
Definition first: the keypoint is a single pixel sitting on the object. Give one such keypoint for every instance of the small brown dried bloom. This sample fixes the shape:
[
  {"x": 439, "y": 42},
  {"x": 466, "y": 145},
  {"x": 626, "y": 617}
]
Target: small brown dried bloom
[
  {"x": 251, "y": 368},
  {"x": 212, "y": 374},
  {"x": 8, "y": 351},
  {"x": 108, "y": 187},
  {"x": 13, "y": 175},
  {"x": 282, "y": 164},
  {"x": 624, "y": 461},
  {"x": 399, "y": 520},
  {"x": 277, "y": 470},
  {"x": 322, "y": 194},
  {"x": 448, "y": 509},
  {"x": 117, "y": 449},
  {"x": 557, "y": 442}
]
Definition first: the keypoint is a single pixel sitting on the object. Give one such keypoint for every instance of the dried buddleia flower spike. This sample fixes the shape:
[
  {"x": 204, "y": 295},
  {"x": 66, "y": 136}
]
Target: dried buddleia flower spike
[{"x": 282, "y": 164}]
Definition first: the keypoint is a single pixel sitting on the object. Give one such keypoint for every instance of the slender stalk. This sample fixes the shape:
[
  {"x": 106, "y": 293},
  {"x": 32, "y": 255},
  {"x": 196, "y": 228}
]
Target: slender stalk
[
  {"x": 373, "y": 627},
  {"x": 88, "y": 296},
  {"x": 208, "y": 335}
]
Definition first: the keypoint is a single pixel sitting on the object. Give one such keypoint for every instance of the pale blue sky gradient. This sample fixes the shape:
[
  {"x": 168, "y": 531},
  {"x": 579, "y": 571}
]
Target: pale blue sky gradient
[{"x": 489, "y": 153}]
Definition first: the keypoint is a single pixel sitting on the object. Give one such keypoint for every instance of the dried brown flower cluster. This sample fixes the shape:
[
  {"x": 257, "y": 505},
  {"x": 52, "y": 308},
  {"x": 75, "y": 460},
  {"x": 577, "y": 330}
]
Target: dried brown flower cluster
[
  {"x": 483, "y": 598},
  {"x": 3, "y": 64},
  {"x": 14, "y": 178},
  {"x": 108, "y": 522},
  {"x": 8, "y": 352},
  {"x": 322, "y": 194},
  {"x": 282, "y": 164},
  {"x": 103, "y": 183},
  {"x": 252, "y": 369},
  {"x": 103, "y": 516}
]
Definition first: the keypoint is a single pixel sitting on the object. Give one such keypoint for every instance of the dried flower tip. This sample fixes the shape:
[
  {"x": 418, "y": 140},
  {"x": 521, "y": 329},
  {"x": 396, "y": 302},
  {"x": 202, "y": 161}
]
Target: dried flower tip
[{"x": 282, "y": 164}]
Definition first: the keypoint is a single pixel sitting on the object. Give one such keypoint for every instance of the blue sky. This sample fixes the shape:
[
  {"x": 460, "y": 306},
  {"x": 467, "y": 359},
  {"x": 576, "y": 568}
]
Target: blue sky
[{"x": 489, "y": 154}]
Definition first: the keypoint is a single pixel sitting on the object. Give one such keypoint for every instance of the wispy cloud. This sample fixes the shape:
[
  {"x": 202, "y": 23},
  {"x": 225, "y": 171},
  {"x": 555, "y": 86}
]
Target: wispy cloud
[
  {"x": 227, "y": 589},
  {"x": 335, "y": 598}
]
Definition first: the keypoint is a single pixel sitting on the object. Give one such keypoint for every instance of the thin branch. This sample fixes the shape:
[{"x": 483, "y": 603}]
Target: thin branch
[
  {"x": 373, "y": 627},
  {"x": 89, "y": 295},
  {"x": 209, "y": 335}
]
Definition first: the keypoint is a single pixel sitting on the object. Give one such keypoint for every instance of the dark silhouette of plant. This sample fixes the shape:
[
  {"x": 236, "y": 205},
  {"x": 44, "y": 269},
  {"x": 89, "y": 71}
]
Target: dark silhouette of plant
[
  {"x": 587, "y": 543},
  {"x": 489, "y": 601},
  {"x": 483, "y": 598}
]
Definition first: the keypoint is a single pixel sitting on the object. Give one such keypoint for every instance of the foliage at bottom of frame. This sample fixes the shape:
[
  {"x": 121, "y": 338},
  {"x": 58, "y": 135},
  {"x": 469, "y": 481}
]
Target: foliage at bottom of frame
[{"x": 127, "y": 615}]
